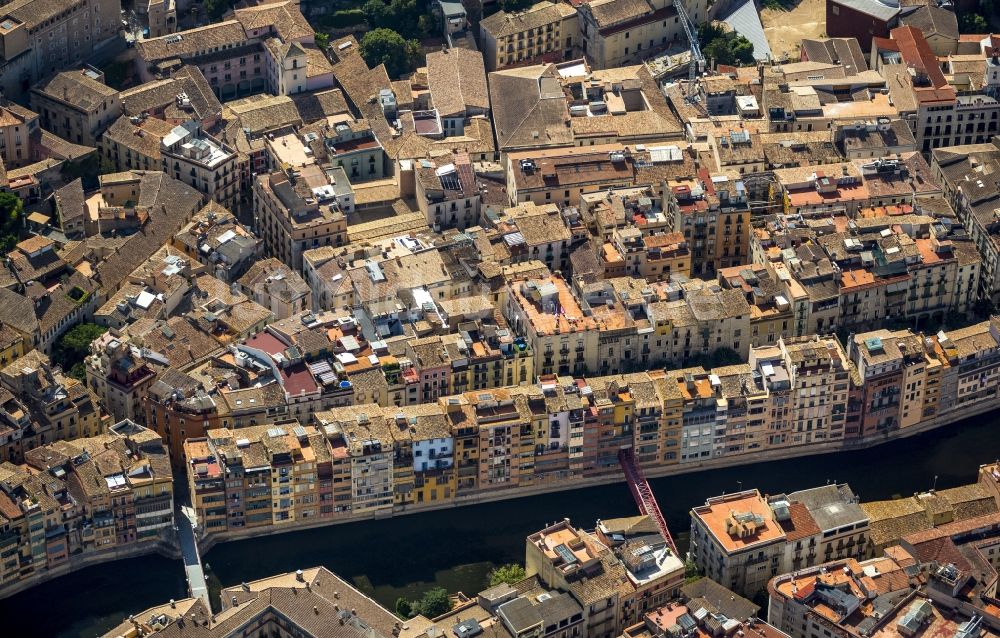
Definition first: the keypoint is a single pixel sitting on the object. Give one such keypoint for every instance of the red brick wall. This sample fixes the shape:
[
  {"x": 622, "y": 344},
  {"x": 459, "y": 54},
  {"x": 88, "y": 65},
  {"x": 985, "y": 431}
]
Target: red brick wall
[{"x": 849, "y": 23}]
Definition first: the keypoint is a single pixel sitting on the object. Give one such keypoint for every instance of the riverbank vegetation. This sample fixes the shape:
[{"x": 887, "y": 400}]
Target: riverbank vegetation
[{"x": 510, "y": 573}]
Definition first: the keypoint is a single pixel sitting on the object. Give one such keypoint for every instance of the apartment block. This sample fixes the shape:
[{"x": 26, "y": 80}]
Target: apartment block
[
  {"x": 280, "y": 603},
  {"x": 265, "y": 48},
  {"x": 135, "y": 143},
  {"x": 930, "y": 512},
  {"x": 547, "y": 106},
  {"x": 538, "y": 232},
  {"x": 771, "y": 310},
  {"x": 858, "y": 271},
  {"x": 565, "y": 558},
  {"x": 973, "y": 361},
  {"x": 894, "y": 368},
  {"x": 192, "y": 156},
  {"x": 711, "y": 213},
  {"x": 446, "y": 191},
  {"x": 177, "y": 407},
  {"x": 967, "y": 177},
  {"x": 562, "y": 176},
  {"x": 18, "y": 128},
  {"x": 206, "y": 485},
  {"x": 937, "y": 115},
  {"x": 954, "y": 596},
  {"x": 351, "y": 145},
  {"x": 120, "y": 378},
  {"x": 300, "y": 210},
  {"x": 653, "y": 256},
  {"x": 704, "y": 612},
  {"x": 745, "y": 539},
  {"x": 77, "y": 106},
  {"x": 219, "y": 241},
  {"x": 39, "y": 39},
  {"x": 544, "y": 31},
  {"x": 288, "y": 463},
  {"x": 182, "y": 96},
  {"x": 616, "y": 33},
  {"x": 109, "y": 492},
  {"x": 551, "y": 319},
  {"x": 42, "y": 405},
  {"x": 274, "y": 286},
  {"x": 456, "y": 79}
]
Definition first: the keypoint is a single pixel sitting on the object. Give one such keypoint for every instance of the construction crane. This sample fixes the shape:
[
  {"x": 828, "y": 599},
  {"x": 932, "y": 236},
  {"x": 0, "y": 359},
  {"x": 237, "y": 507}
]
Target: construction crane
[
  {"x": 643, "y": 493},
  {"x": 697, "y": 61}
]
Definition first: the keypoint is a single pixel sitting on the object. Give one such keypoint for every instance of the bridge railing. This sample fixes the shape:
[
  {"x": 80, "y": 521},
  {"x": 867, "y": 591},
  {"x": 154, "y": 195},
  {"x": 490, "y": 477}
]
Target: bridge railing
[{"x": 643, "y": 493}]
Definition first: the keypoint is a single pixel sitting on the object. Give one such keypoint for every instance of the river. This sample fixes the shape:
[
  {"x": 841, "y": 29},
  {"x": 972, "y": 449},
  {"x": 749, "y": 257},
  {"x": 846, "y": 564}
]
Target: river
[{"x": 456, "y": 548}]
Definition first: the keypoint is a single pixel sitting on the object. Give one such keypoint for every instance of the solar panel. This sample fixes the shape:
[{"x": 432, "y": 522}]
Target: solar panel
[
  {"x": 319, "y": 367},
  {"x": 564, "y": 553}
]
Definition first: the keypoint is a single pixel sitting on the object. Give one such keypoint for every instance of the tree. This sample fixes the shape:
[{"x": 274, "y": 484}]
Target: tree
[
  {"x": 376, "y": 13},
  {"x": 510, "y": 574},
  {"x": 74, "y": 346},
  {"x": 428, "y": 25},
  {"x": 405, "y": 17},
  {"x": 87, "y": 168},
  {"x": 691, "y": 572},
  {"x": 216, "y": 8},
  {"x": 403, "y": 608},
  {"x": 972, "y": 23},
  {"x": 434, "y": 603},
  {"x": 414, "y": 53},
  {"x": 511, "y": 6},
  {"x": 11, "y": 212},
  {"x": 742, "y": 50},
  {"x": 323, "y": 40},
  {"x": 385, "y": 46},
  {"x": 724, "y": 47}
]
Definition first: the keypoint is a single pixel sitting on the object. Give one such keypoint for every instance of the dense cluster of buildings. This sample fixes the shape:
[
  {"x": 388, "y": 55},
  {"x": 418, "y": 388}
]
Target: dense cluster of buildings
[
  {"x": 610, "y": 33},
  {"x": 330, "y": 293},
  {"x": 932, "y": 580},
  {"x": 621, "y": 578},
  {"x": 109, "y": 494},
  {"x": 811, "y": 554},
  {"x": 461, "y": 434},
  {"x": 815, "y": 550}
]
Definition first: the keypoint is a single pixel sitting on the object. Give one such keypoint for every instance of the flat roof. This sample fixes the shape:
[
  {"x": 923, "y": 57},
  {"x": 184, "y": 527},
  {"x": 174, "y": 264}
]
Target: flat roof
[{"x": 715, "y": 514}]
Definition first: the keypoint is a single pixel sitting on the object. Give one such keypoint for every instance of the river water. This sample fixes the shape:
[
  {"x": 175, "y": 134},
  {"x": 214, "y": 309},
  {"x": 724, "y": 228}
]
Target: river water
[{"x": 456, "y": 548}]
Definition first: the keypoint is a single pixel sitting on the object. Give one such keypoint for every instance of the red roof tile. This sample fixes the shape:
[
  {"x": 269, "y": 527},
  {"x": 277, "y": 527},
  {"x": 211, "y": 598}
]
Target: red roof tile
[{"x": 917, "y": 54}]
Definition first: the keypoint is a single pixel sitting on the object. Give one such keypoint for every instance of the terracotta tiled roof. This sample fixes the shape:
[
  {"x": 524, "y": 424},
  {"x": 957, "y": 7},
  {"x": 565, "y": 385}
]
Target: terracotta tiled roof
[
  {"x": 78, "y": 89},
  {"x": 457, "y": 80}
]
